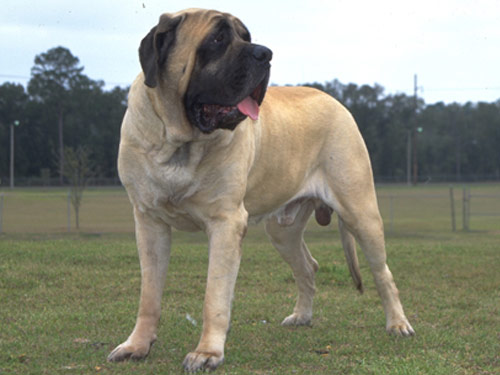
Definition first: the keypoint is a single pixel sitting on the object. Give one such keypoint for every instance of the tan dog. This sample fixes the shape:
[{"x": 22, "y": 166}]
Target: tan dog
[{"x": 202, "y": 150}]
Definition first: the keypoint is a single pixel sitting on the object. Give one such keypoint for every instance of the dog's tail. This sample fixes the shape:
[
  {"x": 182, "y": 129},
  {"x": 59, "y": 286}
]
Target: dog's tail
[{"x": 349, "y": 245}]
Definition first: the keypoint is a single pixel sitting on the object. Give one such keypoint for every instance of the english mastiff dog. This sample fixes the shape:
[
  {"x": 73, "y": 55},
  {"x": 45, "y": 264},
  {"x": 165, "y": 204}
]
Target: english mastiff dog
[{"x": 206, "y": 145}]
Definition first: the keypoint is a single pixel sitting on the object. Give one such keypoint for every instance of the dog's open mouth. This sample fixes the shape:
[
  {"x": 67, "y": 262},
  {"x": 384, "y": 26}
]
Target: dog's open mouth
[
  {"x": 212, "y": 116},
  {"x": 250, "y": 105}
]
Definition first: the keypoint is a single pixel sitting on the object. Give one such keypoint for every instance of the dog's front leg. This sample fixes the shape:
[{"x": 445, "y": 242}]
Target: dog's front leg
[
  {"x": 153, "y": 242},
  {"x": 225, "y": 236}
]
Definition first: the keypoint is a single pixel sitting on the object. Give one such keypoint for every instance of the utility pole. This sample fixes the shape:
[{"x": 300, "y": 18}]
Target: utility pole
[
  {"x": 15, "y": 123},
  {"x": 408, "y": 157}
]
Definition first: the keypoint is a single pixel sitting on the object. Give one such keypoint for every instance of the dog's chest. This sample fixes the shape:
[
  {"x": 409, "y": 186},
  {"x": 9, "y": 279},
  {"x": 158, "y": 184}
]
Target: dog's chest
[
  {"x": 162, "y": 184},
  {"x": 166, "y": 195}
]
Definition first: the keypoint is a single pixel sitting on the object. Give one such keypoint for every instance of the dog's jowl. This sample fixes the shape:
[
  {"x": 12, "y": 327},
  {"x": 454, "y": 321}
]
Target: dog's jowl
[{"x": 206, "y": 145}]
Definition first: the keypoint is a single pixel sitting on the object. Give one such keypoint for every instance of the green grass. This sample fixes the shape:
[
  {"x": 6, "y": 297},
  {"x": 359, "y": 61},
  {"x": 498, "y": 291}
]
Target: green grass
[{"x": 67, "y": 299}]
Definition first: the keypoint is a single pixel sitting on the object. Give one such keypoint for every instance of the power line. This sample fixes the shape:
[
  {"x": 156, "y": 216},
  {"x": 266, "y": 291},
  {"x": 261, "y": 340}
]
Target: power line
[
  {"x": 464, "y": 89},
  {"x": 437, "y": 89},
  {"x": 107, "y": 83}
]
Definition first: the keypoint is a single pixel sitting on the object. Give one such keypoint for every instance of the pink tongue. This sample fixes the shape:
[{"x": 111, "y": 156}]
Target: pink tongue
[{"x": 249, "y": 107}]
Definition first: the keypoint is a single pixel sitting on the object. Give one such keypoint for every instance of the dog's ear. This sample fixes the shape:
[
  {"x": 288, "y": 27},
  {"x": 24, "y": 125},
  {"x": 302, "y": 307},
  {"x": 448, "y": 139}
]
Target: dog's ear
[{"x": 155, "y": 47}]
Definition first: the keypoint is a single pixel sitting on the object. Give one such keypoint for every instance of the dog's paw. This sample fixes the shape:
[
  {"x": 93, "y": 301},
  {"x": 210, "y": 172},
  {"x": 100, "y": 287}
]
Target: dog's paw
[
  {"x": 127, "y": 351},
  {"x": 401, "y": 328},
  {"x": 297, "y": 320},
  {"x": 198, "y": 361}
]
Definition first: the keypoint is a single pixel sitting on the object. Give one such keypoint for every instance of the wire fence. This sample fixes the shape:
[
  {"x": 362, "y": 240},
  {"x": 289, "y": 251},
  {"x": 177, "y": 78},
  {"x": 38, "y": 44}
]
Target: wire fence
[
  {"x": 441, "y": 210},
  {"x": 108, "y": 210},
  {"x": 103, "y": 210}
]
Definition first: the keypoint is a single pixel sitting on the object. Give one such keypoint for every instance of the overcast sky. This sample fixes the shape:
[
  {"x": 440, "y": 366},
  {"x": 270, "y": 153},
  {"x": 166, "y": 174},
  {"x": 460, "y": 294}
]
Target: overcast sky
[{"x": 452, "y": 45}]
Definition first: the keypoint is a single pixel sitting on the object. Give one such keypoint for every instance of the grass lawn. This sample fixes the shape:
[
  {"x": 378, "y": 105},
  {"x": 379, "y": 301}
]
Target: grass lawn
[{"x": 66, "y": 300}]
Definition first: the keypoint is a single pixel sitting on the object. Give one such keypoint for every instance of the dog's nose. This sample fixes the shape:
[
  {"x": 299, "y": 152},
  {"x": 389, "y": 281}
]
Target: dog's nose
[{"x": 262, "y": 54}]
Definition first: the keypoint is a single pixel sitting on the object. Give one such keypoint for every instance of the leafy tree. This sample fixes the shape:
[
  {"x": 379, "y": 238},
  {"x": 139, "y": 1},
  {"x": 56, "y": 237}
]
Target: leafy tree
[
  {"x": 104, "y": 128},
  {"x": 54, "y": 76}
]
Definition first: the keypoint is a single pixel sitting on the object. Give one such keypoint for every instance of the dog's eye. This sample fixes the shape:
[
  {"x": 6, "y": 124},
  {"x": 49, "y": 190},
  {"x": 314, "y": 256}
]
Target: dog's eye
[{"x": 219, "y": 38}]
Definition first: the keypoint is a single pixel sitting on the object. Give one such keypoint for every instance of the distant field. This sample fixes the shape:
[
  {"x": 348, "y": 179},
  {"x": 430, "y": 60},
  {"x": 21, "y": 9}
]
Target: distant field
[
  {"x": 67, "y": 299},
  {"x": 32, "y": 210},
  {"x": 424, "y": 208}
]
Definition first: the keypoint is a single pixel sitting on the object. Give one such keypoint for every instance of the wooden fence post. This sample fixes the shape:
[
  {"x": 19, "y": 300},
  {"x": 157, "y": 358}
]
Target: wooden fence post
[
  {"x": 1, "y": 213},
  {"x": 391, "y": 214},
  {"x": 468, "y": 208},
  {"x": 452, "y": 203},
  {"x": 69, "y": 210},
  {"x": 465, "y": 209}
]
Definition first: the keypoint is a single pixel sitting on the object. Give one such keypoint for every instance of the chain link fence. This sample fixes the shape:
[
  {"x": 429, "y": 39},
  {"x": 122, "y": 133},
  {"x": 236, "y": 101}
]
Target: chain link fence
[
  {"x": 49, "y": 210},
  {"x": 107, "y": 210}
]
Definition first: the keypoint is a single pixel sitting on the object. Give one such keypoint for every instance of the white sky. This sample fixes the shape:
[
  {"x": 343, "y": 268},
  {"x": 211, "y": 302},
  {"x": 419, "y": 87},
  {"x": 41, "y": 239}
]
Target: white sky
[{"x": 452, "y": 45}]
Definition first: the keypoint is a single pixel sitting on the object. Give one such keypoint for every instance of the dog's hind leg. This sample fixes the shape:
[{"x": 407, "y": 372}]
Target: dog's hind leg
[
  {"x": 287, "y": 238},
  {"x": 360, "y": 215},
  {"x": 349, "y": 189},
  {"x": 368, "y": 229}
]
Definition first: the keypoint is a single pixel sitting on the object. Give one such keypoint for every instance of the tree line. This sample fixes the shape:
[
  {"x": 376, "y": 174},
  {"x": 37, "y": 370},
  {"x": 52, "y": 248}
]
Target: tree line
[{"x": 61, "y": 108}]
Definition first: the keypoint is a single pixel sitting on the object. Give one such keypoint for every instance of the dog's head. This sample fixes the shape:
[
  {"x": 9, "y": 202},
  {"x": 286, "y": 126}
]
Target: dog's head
[{"x": 205, "y": 59}]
